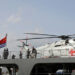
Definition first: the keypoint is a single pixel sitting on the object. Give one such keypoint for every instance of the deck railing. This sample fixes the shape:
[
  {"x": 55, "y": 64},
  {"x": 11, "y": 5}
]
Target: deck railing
[{"x": 40, "y": 54}]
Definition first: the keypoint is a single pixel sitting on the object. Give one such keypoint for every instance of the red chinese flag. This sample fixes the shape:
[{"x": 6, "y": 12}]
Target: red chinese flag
[{"x": 2, "y": 41}]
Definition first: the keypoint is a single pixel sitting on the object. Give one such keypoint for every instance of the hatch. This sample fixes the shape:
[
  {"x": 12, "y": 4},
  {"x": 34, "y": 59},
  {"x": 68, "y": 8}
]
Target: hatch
[{"x": 53, "y": 69}]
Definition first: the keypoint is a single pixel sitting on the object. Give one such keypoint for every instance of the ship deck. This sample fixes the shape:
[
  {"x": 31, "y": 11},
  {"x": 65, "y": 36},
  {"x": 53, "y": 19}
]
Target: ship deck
[{"x": 27, "y": 66}]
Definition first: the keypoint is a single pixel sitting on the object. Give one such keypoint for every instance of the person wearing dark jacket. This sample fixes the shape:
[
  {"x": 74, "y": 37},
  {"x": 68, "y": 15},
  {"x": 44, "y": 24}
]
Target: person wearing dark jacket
[
  {"x": 34, "y": 51},
  {"x": 20, "y": 55},
  {"x": 28, "y": 53},
  {"x": 13, "y": 56},
  {"x": 5, "y": 53}
]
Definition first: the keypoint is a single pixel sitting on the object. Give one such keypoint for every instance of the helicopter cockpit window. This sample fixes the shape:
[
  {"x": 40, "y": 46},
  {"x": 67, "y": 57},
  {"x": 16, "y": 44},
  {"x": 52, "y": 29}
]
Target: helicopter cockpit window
[
  {"x": 57, "y": 45},
  {"x": 73, "y": 39}
]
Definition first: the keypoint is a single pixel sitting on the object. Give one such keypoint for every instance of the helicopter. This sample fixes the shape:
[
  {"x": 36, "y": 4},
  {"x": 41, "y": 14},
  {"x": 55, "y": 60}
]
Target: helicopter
[{"x": 62, "y": 48}]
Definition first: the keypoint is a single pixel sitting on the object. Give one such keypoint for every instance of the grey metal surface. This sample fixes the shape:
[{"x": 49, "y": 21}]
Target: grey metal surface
[{"x": 26, "y": 65}]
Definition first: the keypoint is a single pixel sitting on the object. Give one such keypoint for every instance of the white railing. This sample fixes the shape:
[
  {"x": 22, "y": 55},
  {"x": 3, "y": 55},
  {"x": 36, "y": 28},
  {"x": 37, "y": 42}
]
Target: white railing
[{"x": 40, "y": 54}]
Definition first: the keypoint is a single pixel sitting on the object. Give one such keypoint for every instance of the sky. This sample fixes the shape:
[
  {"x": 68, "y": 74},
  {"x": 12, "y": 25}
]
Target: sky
[{"x": 41, "y": 16}]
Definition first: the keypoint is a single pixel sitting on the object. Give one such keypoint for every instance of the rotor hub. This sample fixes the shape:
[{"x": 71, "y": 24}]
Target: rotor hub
[{"x": 64, "y": 37}]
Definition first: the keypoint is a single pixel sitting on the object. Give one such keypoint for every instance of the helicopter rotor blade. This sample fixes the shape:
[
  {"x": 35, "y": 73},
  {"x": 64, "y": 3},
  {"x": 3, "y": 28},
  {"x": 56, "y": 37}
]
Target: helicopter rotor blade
[
  {"x": 48, "y": 34},
  {"x": 63, "y": 37},
  {"x": 21, "y": 39},
  {"x": 71, "y": 35},
  {"x": 20, "y": 46},
  {"x": 39, "y": 38},
  {"x": 40, "y": 34}
]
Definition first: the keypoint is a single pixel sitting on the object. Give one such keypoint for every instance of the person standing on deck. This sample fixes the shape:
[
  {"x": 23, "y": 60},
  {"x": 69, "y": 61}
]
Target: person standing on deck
[
  {"x": 28, "y": 53},
  {"x": 5, "y": 53},
  {"x": 20, "y": 55},
  {"x": 34, "y": 52}
]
